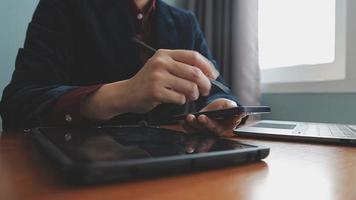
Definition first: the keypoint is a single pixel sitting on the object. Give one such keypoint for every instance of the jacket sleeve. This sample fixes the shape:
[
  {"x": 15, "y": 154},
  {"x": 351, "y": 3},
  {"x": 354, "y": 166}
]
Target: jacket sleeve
[
  {"x": 201, "y": 46},
  {"x": 41, "y": 69}
]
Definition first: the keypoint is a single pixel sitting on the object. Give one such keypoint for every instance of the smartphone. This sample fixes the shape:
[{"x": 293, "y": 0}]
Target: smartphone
[{"x": 225, "y": 113}]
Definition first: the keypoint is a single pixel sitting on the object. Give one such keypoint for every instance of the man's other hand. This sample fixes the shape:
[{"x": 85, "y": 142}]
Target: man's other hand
[{"x": 202, "y": 123}]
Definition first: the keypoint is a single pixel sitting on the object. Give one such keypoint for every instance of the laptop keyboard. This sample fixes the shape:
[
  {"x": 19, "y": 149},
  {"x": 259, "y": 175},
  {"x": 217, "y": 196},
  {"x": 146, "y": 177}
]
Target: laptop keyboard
[{"x": 327, "y": 130}]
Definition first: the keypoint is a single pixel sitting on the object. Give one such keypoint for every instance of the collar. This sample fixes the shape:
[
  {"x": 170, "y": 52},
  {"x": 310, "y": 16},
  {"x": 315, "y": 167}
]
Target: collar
[{"x": 147, "y": 10}]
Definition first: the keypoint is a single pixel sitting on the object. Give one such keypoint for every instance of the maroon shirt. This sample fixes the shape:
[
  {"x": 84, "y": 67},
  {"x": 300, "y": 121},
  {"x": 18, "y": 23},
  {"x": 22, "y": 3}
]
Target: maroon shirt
[{"x": 68, "y": 106}]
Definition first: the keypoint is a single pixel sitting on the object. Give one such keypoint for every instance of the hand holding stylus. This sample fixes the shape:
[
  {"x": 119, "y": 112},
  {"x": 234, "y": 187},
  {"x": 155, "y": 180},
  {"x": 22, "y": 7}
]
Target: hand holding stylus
[
  {"x": 203, "y": 123},
  {"x": 172, "y": 76},
  {"x": 169, "y": 76}
]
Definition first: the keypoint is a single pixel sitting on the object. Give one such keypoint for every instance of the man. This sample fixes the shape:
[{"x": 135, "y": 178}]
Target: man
[{"x": 79, "y": 66}]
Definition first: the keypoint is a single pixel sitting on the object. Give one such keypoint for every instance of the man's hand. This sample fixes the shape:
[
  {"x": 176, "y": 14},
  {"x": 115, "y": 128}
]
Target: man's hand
[
  {"x": 170, "y": 76},
  {"x": 219, "y": 127}
]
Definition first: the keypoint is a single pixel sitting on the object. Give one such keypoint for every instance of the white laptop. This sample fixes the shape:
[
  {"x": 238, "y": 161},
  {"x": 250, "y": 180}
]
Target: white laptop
[{"x": 314, "y": 132}]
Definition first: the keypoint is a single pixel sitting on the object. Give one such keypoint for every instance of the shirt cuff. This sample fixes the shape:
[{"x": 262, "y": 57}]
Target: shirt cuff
[{"x": 67, "y": 109}]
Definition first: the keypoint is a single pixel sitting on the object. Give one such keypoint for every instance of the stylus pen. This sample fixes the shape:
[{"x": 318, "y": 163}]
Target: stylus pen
[{"x": 153, "y": 51}]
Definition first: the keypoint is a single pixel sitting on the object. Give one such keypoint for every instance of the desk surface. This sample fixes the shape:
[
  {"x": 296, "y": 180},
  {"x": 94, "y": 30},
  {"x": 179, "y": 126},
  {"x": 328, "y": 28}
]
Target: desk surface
[{"x": 292, "y": 171}]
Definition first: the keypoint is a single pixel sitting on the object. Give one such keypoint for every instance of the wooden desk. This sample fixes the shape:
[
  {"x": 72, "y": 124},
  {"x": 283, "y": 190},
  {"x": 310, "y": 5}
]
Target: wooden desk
[{"x": 292, "y": 171}]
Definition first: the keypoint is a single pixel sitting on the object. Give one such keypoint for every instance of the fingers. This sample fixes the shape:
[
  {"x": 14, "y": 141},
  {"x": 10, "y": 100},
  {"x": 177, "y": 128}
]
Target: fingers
[
  {"x": 203, "y": 124},
  {"x": 212, "y": 125},
  {"x": 187, "y": 88},
  {"x": 220, "y": 103},
  {"x": 224, "y": 127},
  {"x": 191, "y": 125},
  {"x": 176, "y": 76},
  {"x": 192, "y": 74},
  {"x": 163, "y": 61},
  {"x": 194, "y": 58},
  {"x": 166, "y": 95}
]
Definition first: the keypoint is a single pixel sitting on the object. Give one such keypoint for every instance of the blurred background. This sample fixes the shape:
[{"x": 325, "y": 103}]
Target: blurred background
[{"x": 297, "y": 56}]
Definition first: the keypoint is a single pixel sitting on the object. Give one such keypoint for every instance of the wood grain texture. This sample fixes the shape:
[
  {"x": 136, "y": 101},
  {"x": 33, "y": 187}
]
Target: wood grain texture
[{"x": 292, "y": 171}]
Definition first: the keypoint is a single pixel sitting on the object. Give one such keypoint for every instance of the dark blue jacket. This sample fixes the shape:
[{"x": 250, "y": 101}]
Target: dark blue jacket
[{"x": 74, "y": 43}]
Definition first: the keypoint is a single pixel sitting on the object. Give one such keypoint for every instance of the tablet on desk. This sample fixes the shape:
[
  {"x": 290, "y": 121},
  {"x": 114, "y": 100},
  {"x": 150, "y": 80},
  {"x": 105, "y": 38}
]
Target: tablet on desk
[{"x": 96, "y": 155}]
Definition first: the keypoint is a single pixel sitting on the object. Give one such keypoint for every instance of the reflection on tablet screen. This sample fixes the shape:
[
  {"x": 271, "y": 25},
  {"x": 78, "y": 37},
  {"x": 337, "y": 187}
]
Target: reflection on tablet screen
[{"x": 120, "y": 143}]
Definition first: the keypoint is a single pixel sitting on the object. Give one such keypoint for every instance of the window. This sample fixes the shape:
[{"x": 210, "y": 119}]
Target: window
[
  {"x": 296, "y": 32},
  {"x": 301, "y": 41}
]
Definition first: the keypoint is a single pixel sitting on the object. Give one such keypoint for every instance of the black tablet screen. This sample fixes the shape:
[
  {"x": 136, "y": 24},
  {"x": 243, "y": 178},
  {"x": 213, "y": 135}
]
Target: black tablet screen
[{"x": 123, "y": 143}]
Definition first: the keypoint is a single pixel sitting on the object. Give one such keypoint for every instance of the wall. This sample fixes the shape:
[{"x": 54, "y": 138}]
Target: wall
[
  {"x": 14, "y": 17},
  {"x": 338, "y": 108}
]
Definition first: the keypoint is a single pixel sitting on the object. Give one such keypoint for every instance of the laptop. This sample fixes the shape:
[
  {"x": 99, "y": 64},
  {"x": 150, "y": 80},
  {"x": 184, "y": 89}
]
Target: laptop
[
  {"x": 121, "y": 153},
  {"x": 314, "y": 132}
]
